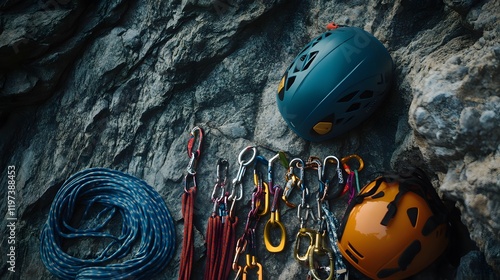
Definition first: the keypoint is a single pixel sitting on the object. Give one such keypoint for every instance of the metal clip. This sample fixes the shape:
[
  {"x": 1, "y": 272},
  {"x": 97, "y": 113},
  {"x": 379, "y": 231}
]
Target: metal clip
[
  {"x": 347, "y": 169},
  {"x": 272, "y": 223},
  {"x": 258, "y": 272},
  {"x": 261, "y": 187},
  {"x": 241, "y": 172},
  {"x": 303, "y": 233},
  {"x": 340, "y": 178},
  {"x": 220, "y": 182},
  {"x": 319, "y": 249},
  {"x": 194, "y": 156},
  {"x": 292, "y": 180}
]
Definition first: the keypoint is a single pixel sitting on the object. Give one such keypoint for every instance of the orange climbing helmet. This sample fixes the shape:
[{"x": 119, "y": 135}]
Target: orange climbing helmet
[{"x": 395, "y": 227}]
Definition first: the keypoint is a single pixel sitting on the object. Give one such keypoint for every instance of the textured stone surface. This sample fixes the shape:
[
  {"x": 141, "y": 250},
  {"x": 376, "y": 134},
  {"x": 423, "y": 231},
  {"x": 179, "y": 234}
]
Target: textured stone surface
[{"x": 119, "y": 84}]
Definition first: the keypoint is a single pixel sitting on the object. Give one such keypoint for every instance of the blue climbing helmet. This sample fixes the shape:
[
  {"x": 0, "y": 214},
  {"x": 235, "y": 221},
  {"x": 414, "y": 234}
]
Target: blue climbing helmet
[{"x": 335, "y": 83}]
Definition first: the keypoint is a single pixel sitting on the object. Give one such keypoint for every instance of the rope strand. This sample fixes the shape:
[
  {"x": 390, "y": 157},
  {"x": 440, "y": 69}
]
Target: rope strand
[{"x": 147, "y": 227}]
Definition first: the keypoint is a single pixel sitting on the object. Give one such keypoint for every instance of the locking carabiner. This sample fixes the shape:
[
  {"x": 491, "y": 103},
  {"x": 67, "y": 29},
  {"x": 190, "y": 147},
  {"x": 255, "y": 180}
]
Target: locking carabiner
[
  {"x": 293, "y": 180},
  {"x": 320, "y": 249}
]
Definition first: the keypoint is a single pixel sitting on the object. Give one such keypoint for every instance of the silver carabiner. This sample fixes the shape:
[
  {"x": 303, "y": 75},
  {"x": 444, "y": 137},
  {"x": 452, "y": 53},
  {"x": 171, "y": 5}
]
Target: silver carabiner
[{"x": 241, "y": 171}]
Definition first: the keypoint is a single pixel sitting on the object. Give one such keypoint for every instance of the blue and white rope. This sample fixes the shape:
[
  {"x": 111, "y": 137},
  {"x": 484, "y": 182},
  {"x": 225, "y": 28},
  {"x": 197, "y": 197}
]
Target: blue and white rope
[
  {"x": 333, "y": 225},
  {"x": 147, "y": 238}
]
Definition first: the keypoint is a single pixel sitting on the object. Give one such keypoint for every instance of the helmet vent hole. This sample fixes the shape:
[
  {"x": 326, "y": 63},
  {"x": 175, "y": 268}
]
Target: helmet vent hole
[
  {"x": 328, "y": 34},
  {"x": 354, "y": 250},
  {"x": 378, "y": 195},
  {"x": 366, "y": 94},
  {"x": 353, "y": 107},
  {"x": 348, "y": 97},
  {"x": 312, "y": 56},
  {"x": 412, "y": 215},
  {"x": 289, "y": 82}
]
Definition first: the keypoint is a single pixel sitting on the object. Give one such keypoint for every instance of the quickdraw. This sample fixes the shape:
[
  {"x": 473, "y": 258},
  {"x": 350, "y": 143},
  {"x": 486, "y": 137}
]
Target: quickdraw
[
  {"x": 188, "y": 199},
  {"x": 274, "y": 221},
  {"x": 249, "y": 232},
  {"x": 220, "y": 230}
]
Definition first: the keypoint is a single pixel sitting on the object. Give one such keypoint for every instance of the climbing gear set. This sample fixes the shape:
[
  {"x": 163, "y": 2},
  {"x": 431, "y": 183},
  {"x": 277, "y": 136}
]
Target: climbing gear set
[
  {"x": 221, "y": 228},
  {"x": 335, "y": 83},
  {"x": 188, "y": 200},
  {"x": 371, "y": 238},
  {"x": 146, "y": 222},
  {"x": 317, "y": 248},
  {"x": 274, "y": 221}
]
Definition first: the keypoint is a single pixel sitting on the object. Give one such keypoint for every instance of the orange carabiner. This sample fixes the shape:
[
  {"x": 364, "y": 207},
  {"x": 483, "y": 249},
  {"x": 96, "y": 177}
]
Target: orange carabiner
[{"x": 346, "y": 159}]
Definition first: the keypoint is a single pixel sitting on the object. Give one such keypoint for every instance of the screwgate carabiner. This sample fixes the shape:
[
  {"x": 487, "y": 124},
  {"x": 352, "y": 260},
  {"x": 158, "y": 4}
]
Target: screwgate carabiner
[
  {"x": 293, "y": 181},
  {"x": 320, "y": 249}
]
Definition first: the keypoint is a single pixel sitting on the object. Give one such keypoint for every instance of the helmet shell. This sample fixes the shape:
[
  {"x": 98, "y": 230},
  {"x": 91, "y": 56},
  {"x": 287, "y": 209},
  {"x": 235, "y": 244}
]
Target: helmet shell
[
  {"x": 335, "y": 83},
  {"x": 410, "y": 242}
]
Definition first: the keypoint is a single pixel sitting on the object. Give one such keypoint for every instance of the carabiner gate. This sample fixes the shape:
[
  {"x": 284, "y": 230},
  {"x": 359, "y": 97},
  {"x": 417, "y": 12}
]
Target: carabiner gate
[
  {"x": 320, "y": 249},
  {"x": 293, "y": 180},
  {"x": 194, "y": 156},
  {"x": 241, "y": 172}
]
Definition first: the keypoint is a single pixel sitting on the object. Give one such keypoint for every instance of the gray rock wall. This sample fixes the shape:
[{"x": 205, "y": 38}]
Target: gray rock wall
[{"x": 119, "y": 84}]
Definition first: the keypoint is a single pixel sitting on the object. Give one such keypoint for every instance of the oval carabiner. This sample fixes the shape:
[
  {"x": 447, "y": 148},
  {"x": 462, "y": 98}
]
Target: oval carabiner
[
  {"x": 344, "y": 161},
  {"x": 241, "y": 156},
  {"x": 273, "y": 223},
  {"x": 303, "y": 233}
]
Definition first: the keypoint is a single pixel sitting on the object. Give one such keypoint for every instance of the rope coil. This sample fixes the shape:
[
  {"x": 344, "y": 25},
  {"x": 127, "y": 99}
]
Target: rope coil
[{"x": 147, "y": 235}]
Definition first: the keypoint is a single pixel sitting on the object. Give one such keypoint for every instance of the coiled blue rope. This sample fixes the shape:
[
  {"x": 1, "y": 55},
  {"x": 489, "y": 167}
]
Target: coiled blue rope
[{"x": 147, "y": 239}]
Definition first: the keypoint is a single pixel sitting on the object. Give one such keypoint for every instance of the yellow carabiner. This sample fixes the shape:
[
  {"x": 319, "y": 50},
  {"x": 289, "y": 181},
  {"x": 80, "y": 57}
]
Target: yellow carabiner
[
  {"x": 344, "y": 161},
  {"x": 262, "y": 211},
  {"x": 274, "y": 222},
  {"x": 320, "y": 249},
  {"x": 259, "y": 271},
  {"x": 304, "y": 232}
]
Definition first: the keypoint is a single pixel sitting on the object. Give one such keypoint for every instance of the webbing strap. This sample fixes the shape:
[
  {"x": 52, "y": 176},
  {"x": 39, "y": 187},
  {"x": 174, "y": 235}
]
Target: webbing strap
[
  {"x": 186, "y": 261},
  {"x": 146, "y": 225}
]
